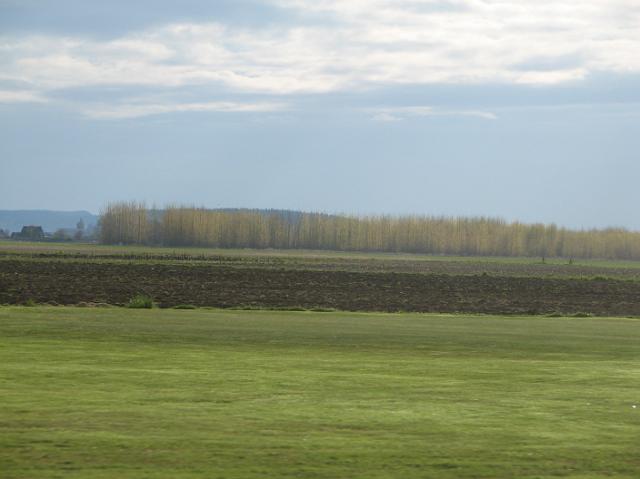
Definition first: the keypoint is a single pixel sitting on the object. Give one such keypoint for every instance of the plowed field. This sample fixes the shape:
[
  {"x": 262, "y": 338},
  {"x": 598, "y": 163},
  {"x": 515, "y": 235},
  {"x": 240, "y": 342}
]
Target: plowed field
[{"x": 384, "y": 286}]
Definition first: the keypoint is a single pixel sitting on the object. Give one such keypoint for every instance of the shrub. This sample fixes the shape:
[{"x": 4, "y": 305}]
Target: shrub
[{"x": 140, "y": 301}]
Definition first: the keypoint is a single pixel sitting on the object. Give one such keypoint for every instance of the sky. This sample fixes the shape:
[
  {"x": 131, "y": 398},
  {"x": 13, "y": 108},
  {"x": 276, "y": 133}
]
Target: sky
[{"x": 525, "y": 110}]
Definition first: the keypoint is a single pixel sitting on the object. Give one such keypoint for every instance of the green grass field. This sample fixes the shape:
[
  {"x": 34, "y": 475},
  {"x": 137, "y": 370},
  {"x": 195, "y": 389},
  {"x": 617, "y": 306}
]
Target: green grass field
[
  {"x": 25, "y": 247},
  {"x": 104, "y": 393}
]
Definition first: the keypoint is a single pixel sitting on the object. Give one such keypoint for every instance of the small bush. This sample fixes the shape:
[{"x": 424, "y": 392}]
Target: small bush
[
  {"x": 29, "y": 302},
  {"x": 140, "y": 301},
  {"x": 582, "y": 315}
]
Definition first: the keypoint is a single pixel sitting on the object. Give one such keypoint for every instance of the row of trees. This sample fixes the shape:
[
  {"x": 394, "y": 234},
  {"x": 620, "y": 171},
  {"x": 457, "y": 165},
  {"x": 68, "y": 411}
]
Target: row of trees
[{"x": 134, "y": 223}]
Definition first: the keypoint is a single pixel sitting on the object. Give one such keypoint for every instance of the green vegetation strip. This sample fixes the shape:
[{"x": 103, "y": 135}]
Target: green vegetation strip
[
  {"x": 102, "y": 393},
  {"x": 87, "y": 250}
]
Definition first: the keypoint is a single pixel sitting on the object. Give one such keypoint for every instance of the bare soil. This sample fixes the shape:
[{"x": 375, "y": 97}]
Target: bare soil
[{"x": 380, "y": 287}]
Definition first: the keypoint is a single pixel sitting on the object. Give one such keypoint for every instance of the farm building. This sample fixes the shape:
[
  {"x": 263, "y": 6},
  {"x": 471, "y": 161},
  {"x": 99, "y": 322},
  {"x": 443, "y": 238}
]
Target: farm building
[{"x": 31, "y": 233}]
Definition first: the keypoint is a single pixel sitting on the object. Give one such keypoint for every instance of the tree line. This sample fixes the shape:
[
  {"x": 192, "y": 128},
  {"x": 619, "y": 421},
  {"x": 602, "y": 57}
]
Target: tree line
[{"x": 134, "y": 223}]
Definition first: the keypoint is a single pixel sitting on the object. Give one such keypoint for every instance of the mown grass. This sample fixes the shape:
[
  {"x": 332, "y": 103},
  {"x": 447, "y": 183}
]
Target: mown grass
[{"x": 102, "y": 393}]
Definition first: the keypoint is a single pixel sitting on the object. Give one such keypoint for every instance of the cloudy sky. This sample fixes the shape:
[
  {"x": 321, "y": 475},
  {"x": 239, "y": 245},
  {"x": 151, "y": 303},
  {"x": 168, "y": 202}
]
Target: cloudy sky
[{"x": 522, "y": 109}]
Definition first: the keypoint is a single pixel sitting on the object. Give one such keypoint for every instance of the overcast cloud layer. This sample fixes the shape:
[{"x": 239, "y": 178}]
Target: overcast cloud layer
[{"x": 444, "y": 85}]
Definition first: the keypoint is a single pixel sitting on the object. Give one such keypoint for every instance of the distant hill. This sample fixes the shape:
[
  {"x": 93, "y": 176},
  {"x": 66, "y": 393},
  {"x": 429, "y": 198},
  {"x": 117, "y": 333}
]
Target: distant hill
[{"x": 14, "y": 220}]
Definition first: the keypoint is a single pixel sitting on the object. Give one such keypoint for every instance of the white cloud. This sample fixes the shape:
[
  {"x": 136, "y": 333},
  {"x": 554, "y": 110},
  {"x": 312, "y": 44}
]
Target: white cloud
[
  {"x": 21, "y": 96},
  {"x": 400, "y": 113},
  {"x": 385, "y": 117},
  {"x": 365, "y": 43},
  {"x": 136, "y": 110}
]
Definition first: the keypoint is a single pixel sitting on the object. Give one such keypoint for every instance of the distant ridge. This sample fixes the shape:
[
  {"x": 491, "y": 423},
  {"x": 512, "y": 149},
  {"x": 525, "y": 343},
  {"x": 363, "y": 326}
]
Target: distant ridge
[{"x": 14, "y": 220}]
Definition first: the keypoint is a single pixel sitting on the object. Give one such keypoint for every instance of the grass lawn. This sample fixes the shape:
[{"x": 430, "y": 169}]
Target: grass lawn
[{"x": 117, "y": 393}]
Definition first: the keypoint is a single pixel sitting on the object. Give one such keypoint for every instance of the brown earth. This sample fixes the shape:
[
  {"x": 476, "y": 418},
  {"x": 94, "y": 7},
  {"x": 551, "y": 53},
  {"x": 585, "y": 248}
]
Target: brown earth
[{"x": 276, "y": 286}]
